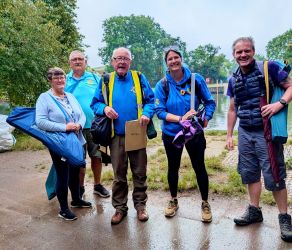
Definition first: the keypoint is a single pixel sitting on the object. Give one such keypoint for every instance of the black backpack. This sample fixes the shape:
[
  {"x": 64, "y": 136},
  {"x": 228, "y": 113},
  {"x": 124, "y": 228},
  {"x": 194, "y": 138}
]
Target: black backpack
[{"x": 101, "y": 126}]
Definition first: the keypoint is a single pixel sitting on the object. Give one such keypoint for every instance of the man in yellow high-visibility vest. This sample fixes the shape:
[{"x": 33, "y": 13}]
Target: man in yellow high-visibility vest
[{"x": 130, "y": 97}]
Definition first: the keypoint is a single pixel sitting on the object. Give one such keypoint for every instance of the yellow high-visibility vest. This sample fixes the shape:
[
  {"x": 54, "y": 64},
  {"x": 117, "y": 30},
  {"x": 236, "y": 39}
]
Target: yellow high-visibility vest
[{"x": 138, "y": 92}]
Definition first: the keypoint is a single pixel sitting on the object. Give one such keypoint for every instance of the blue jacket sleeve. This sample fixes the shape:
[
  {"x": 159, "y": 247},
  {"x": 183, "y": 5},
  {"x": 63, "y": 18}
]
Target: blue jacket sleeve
[
  {"x": 98, "y": 103},
  {"x": 160, "y": 101},
  {"x": 148, "y": 98},
  {"x": 206, "y": 97}
]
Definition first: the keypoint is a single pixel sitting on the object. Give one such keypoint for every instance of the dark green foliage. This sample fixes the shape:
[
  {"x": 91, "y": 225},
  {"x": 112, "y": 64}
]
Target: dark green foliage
[
  {"x": 28, "y": 47},
  {"x": 280, "y": 47},
  {"x": 34, "y": 37},
  {"x": 206, "y": 61},
  {"x": 62, "y": 12}
]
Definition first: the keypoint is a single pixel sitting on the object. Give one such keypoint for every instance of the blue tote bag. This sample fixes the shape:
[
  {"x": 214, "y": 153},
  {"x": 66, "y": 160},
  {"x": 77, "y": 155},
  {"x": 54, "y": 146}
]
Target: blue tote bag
[
  {"x": 63, "y": 144},
  {"x": 279, "y": 120},
  {"x": 51, "y": 183}
]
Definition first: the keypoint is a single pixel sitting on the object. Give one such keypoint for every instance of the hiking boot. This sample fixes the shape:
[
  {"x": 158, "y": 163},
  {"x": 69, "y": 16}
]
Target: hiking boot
[
  {"x": 81, "y": 204},
  {"x": 142, "y": 215},
  {"x": 67, "y": 215},
  {"x": 285, "y": 227},
  {"x": 252, "y": 215},
  {"x": 171, "y": 208},
  {"x": 118, "y": 217},
  {"x": 81, "y": 191},
  {"x": 206, "y": 212},
  {"x": 101, "y": 191}
]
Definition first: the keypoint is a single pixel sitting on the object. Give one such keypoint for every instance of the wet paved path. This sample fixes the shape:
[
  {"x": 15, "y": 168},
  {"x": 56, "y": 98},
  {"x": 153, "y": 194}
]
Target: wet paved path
[{"x": 29, "y": 221}]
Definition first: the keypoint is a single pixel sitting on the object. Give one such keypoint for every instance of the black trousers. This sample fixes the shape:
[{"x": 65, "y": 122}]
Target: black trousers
[
  {"x": 67, "y": 176},
  {"x": 196, "y": 151}
]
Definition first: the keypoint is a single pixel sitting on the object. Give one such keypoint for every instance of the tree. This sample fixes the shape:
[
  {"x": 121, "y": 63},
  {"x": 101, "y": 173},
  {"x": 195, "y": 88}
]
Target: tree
[
  {"x": 62, "y": 13},
  {"x": 29, "y": 45},
  {"x": 280, "y": 47},
  {"x": 146, "y": 40},
  {"x": 206, "y": 60}
]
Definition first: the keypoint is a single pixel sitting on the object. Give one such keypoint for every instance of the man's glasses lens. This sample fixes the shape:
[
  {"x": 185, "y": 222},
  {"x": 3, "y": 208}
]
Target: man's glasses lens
[
  {"x": 121, "y": 59},
  {"x": 77, "y": 59},
  {"x": 58, "y": 77}
]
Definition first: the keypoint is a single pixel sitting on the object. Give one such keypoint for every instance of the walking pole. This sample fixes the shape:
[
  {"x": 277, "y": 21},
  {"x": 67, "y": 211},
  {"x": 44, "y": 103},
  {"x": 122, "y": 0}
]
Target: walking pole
[
  {"x": 193, "y": 80},
  {"x": 217, "y": 87}
]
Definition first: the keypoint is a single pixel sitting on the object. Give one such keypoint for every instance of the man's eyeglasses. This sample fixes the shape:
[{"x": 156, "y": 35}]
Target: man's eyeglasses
[
  {"x": 121, "y": 59},
  {"x": 77, "y": 59}
]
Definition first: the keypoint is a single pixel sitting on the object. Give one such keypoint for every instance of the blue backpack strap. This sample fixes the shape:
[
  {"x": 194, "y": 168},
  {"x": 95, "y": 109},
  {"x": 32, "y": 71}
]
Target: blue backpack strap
[
  {"x": 63, "y": 111},
  {"x": 260, "y": 66},
  {"x": 165, "y": 87},
  {"x": 105, "y": 81}
]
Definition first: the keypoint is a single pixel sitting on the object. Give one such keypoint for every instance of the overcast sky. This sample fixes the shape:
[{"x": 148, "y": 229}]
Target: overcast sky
[{"x": 196, "y": 22}]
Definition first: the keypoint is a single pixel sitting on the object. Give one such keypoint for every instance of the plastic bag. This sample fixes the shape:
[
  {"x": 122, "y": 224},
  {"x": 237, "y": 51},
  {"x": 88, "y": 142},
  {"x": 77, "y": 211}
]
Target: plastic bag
[{"x": 7, "y": 140}]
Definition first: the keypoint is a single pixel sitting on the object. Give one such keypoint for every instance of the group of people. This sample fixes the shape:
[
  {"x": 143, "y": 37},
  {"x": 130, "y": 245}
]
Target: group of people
[{"x": 81, "y": 96}]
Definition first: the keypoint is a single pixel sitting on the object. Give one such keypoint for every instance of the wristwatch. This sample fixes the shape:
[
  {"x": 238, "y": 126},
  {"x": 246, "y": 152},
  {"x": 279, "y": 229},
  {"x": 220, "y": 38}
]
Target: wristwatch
[{"x": 283, "y": 102}]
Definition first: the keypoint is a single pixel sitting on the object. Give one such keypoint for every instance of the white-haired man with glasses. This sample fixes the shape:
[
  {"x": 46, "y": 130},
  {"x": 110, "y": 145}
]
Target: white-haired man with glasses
[{"x": 126, "y": 87}]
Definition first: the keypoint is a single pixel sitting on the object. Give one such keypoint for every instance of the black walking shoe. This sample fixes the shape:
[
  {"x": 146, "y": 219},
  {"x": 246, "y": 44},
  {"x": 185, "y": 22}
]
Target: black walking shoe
[
  {"x": 81, "y": 191},
  {"x": 251, "y": 215},
  {"x": 101, "y": 191},
  {"x": 285, "y": 227},
  {"x": 67, "y": 215},
  {"x": 81, "y": 203}
]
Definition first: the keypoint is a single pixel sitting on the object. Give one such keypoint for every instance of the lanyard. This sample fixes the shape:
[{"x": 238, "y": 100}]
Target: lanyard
[{"x": 63, "y": 111}]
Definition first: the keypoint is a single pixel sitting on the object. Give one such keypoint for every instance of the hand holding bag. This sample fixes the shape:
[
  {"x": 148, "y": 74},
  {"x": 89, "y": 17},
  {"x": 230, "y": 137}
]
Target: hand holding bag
[{"x": 151, "y": 131}]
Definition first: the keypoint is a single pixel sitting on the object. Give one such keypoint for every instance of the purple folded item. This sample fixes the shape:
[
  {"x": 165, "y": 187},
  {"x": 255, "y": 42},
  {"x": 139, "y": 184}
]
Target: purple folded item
[{"x": 189, "y": 130}]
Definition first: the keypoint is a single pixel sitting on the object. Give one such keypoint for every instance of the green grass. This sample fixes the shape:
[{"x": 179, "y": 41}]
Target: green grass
[
  {"x": 288, "y": 163},
  {"x": 218, "y": 133},
  {"x": 267, "y": 198},
  {"x": 215, "y": 132},
  {"x": 229, "y": 183},
  {"x": 155, "y": 141},
  {"x": 26, "y": 142}
]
